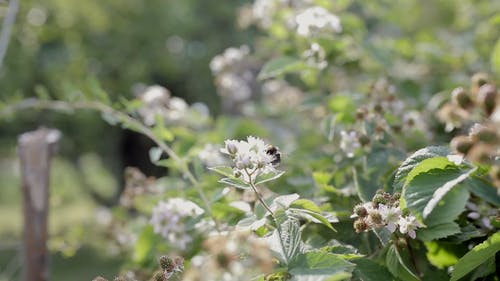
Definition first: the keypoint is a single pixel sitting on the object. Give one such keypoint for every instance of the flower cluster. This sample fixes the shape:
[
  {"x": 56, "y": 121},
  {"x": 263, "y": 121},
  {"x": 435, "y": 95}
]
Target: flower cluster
[
  {"x": 169, "y": 219},
  {"x": 252, "y": 157},
  {"x": 315, "y": 21},
  {"x": 158, "y": 103},
  {"x": 235, "y": 256},
  {"x": 235, "y": 74},
  {"x": 479, "y": 106},
  {"x": 384, "y": 211},
  {"x": 349, "y": 142}
]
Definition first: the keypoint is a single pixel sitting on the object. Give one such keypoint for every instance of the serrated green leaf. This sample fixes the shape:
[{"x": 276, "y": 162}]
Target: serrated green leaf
[
  {"x": 476, "y": 257},
  {"x": 286, "y": 241},
  {"x": 313, "y": 216},
  {"x": 280, "y": 66},
  {"x": 397, "y": 266},
  {"x": 413, "y": 160},
  {"x": 320, "y": 266},
  {"x": 235, "y": 182},
  {"x": 438, "y": 231},
  {"x": 306, "y": 205},
  {"x": 368, "y": 270},
  {"x": 439, "y": 162},
  {"x": 420, "y": 191}
]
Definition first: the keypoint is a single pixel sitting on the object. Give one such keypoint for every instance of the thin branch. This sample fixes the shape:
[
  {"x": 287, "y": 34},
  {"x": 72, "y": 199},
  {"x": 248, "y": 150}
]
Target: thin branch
[
  {"x": 125, "y": 119},
  {"x": 8, "y": 23}
]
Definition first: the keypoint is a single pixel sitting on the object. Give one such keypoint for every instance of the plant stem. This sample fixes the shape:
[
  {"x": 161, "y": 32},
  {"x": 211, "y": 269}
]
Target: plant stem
[
  {"x": 124, "y": 119},
  {"x": 412, "y": 257}
]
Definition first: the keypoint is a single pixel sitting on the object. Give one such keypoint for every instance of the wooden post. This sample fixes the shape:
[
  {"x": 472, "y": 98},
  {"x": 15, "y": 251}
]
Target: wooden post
[{"x": 35, "y": 150}]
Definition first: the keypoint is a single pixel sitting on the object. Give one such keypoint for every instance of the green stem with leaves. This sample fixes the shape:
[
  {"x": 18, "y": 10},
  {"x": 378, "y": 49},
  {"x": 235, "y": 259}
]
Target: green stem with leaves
[{"x": 126, "y": 120}]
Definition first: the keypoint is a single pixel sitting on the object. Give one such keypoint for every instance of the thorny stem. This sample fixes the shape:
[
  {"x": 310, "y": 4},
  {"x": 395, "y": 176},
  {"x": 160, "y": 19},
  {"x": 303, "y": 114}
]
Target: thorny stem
[
  {"x": 261, "y": 199},
  {"x": 124, "y": 119}
]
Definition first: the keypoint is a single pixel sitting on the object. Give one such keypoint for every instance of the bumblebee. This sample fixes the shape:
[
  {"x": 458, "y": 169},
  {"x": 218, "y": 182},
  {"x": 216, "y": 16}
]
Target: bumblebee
[{"x": 275, "y": 153}]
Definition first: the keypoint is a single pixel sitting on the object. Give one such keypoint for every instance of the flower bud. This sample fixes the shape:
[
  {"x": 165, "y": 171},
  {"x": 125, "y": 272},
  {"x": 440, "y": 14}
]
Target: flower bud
[
  {"x": 486, "y": 97},
  {"x": 481, "y": 153},
  {"x": 231, "y": 147},
  {"x": 360, "y": 211},
  {"x": 461, "y": 144},
  {"x": 360, "y": 225},
  {"x": 486, "y": 135},
  {"x": 364, "y": 140},
  {"x": 478, "y": 80},
  {"x": 378, "y": 108},
  {"x": 461, "y": 98},
  {"x": 376, "y": 217},
  {"x": 158, "y": 276},
  {"x": 360, "y": 114},
  {"x": 379, "y": 199},
  {"x": 166, "y": 263}
]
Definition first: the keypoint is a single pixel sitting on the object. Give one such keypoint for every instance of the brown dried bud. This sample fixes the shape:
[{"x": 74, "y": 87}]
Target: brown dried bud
[
  {"x": 376, "y": 218},
  {"x": 462, "y": 144},
  {"x": 378, "y": 108},
  {"x": 158, "y": 276},
  {"x": 478, "y": 80},
  {"x": 360, "y": 225},
  {"x": 481, "y": 153},
  {"x": 486, "y": 134},
  {"x": 360, "y": 211},
  {"x": 461, "y": 98},
  {"x": 486, "y": 97},
  {"x": 166, "y": 263},
  {"x": 364, "y": 140},
  {"x": 360, "y": 113}
]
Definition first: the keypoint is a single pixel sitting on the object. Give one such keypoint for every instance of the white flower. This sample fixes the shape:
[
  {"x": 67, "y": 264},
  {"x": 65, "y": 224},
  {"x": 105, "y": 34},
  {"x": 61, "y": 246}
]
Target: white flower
[
  {"x": 167, "y": 220},
  {"x": 315, "y": 20},
  {"x": 349, "y": 142},
  {"x": 211, "y": 156},
  {"x": 316, "y": 56},
  {"x": 390, "y": 216},
  {"x": 250, "y": 156},
  {"x": 408, "y": 225}
]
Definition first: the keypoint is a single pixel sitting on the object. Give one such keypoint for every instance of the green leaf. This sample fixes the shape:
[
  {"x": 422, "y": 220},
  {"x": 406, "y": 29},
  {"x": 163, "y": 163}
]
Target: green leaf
[
  {"x": 144, "y": 245},
  {"x": 419, "y": 194},
  {"x": 368, "y": 270},
  {"x": 412, "y": 161},
  {"x": 263, "y": 178},
  {"x": 285, "y": 241},
  {"x": 475, "y": 257},
  {"x": 223, "y": 170},
  {"x": 397, "y": 266},
  {"x": 313, "y": 216},
  {"x": 306, "y": 205},
  {"x": 484, "y": 190},
  {"x": 320, "y": 266},
  {"x": 495, "y": 58},
  {"x": 441, "y": 254},
  {"x": 280, "y": 66},
  {"x": 437, "y": 231},
  {"x": 428, "y": 164},
  {"x": 235, "y": 182}
]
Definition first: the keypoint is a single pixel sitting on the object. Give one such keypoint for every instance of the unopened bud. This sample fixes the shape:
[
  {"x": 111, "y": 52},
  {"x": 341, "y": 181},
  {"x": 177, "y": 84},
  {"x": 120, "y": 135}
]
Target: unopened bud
[
  {"x": 461, "y": 98},
  {"x": 360, "y": 211},
  {"x": 158, "y": 276},
  {"x": 481, "y": 153},
  {"x": 461, "y": 144},
  {"x": 231, "y": 148},
  {"x": 478, "y": 80},
  {"x": 166, "y": 263},
  {"x": 378, "y": 108},
  {"x": 376, "y": 217},
  {"x": 486, "y": 97},
  {"x": 364, "y": 140},
  {"x": 486, "y": 135},
  {"x": 379, "y": 199},
  {"x": 360, "y": 225}
]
